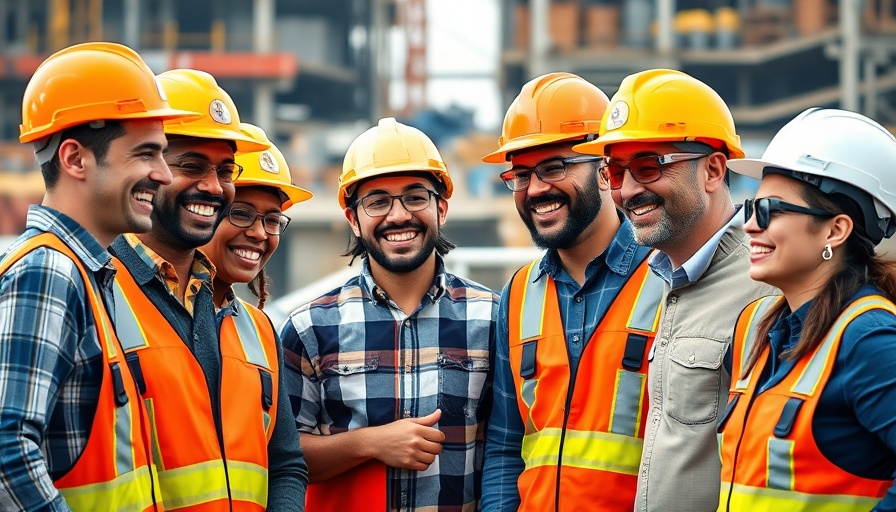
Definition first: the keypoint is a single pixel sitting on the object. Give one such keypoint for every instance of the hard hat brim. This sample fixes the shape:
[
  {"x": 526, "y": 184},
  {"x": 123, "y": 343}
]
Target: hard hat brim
[
  {"x": 293, "y": 193},
  {"x": 599, "y": 145},
  {"x": 531, "y": 141},
  {"x": 752, "y": 167},
  {"x": 243, "y": 143},
  {"x": 163, "y": 114}
]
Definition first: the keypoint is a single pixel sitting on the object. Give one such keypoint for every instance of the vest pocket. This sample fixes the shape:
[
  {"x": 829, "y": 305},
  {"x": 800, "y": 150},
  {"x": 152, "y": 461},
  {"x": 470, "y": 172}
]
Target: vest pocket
[
  {"x": 461, "y": 379},
  {"x": 694, "y": 386}
]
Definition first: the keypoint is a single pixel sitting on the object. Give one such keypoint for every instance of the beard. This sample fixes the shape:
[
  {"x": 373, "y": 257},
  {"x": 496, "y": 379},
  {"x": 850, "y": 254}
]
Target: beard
[
  {"x": 168, "y": 225},
  {"x": 581, "y": 212},
  {"x": 399, "y": 264}
]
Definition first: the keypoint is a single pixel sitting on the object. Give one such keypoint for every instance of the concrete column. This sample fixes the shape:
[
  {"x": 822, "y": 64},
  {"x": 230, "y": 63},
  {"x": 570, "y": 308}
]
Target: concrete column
[
  {"x": 850, "y": 32},
  {"x": 131, "y": 35},
  {"x": 665, "y": 37},
  {"x": 263, "y": 25},
  {"x": 539, "y": 37}
]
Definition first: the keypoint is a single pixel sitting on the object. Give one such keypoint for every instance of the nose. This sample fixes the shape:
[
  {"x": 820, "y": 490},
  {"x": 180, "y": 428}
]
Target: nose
[
  {"x": 630, "y": 187},
  {"x": 536, "y": 186},
  {"x": 161, "y": 173},
  {"x": 751, "y": 226},
  {"x": 397, "y": 212},
  {"x": 210, "y": 184},
  {"x": 256, "y": 230}
]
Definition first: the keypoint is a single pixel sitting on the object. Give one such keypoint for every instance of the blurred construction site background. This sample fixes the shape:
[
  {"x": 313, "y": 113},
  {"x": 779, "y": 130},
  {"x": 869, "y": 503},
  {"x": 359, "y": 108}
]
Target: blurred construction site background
[{"x": 315, "y": 74}]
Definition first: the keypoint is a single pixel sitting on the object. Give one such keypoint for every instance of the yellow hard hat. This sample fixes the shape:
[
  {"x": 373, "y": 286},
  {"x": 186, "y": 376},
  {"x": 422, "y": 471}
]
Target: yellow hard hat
[
  {"x": 664, "y": 105},
  {"x": 199, "y": 92},
  {"x": 551, "y": 108},
  {"x": 268, "y": 168},
  {"x": 91, "y": 82},
  {"x": 390, "y": 147}
]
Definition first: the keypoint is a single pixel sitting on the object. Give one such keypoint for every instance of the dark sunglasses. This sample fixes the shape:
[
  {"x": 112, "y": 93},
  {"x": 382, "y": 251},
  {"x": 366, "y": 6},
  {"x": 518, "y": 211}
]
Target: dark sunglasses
[
  {"x": 644, "y": 169},
  {"x": 765, "y": 206}
]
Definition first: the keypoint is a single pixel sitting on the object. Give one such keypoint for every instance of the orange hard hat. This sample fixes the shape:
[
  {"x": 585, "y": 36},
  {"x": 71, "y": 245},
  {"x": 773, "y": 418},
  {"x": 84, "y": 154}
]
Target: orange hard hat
[
  {"x": 91, "y": 82},
  {"x": 268, "y": 168},
  {"x": 390, "y": 147},
  {"x": 551, "y": 108},
  {"x": 665, "y": 105}
]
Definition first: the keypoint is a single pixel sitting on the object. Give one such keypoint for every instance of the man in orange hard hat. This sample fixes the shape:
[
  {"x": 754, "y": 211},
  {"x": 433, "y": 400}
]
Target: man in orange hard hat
[
  {"x": 667, "y": 138},
  {"x": 224, "y": 435},
  {"x": 394, "y": 363},
  {"x": 574, "y": 326},
  {"x": 73, "y": 428}
]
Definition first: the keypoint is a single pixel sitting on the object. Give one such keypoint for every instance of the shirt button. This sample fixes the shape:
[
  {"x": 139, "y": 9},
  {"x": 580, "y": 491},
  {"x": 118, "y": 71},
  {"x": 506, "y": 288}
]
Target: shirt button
[
  {"x": 579, "y": 298},
  {"x": 575, "y": 338},
  {"x": 407, "y": 323},
  {"x": 673, "y": 299},
  {"x": 407, "y": 414}
]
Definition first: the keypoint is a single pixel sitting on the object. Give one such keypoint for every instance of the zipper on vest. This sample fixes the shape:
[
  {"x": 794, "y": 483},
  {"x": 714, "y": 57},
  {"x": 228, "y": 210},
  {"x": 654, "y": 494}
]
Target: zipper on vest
[{"x": 569, "y": 392}]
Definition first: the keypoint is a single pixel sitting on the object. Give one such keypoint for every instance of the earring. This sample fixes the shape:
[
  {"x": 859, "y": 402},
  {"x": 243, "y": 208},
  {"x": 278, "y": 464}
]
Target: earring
[{"x": 827, "y": 253}]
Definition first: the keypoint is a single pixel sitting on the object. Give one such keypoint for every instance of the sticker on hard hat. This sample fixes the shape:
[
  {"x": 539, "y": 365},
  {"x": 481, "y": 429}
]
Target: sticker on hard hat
[
  {"x": 218, "y": 110},
  {"x": 267, "y": 163},
  {"x": 618, "y": 115}
]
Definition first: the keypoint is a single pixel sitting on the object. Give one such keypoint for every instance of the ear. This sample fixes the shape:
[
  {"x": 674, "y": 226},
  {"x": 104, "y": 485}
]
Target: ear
[
  {"x": 352, "y": 218},
  {"x": 841, "y": 228},
  {"x": 716, "y": 167},
  {"x": 74, "y": 159},
  {"x": 442, "y": 206}
]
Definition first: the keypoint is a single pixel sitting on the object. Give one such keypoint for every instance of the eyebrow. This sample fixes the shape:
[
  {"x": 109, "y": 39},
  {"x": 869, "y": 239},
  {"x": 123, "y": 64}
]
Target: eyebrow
[
  {"x": 546, "y": 160},
  {"x": 200, "y": 156},
  {"x": 151, "y": 146},
  {"x": 408, "y": 188}
]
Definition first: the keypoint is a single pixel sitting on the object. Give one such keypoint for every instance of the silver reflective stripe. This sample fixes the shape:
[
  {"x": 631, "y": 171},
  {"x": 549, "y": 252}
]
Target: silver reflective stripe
[
  {"x": 124, "y": 450},
  {"x": 780, "y": 471},
  {"x": 647, "y": 307},
  {"x": 808, "y": 381},
  {"x": 765, "y": 304},
  {"x": 528, "y": 392},
  {"x": 532, "y": 318},
  {"x": 130, "y": 334},
  {"x": 250, "y": 339},
  {"x": 627, "y": 403}
]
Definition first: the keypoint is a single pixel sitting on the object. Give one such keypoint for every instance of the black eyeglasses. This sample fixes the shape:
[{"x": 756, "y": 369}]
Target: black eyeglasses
[
  {"x": 274, "y": 223},
  {"x": 766, "y": 206},
  {"x": 517, "y": 178},
  {"x": 197, "y": 170},
  {"x": 378, "y": 204},
  {"x": 644, "y": 169}
]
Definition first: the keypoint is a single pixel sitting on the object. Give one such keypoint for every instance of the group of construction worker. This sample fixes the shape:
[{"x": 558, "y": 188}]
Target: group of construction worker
[{"x": 669, "y": 351}]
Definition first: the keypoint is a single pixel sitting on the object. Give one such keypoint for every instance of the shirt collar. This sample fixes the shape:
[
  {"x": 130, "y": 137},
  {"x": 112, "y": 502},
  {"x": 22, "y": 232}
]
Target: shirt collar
[
  {"x": 85, "y": 246},
  {"x": 202, "y": 267},
  {"x": 439, "y": 284},
  {"x": 692, "y": 269}
]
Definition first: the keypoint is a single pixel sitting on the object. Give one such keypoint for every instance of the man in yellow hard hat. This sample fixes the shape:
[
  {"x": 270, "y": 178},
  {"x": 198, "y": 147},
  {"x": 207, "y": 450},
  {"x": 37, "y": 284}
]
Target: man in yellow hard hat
[
  {"x": 224, "y": 437},
  {"x": 574, "y": 326},
  {"x": 667, "y": 138},
  {"x": 394, "y": 363},
  {"x": 73, "y": 430}
]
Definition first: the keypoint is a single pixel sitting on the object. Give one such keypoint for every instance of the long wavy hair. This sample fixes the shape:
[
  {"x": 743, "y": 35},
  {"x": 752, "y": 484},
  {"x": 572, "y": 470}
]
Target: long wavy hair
[{"x": 860, "y": 266}]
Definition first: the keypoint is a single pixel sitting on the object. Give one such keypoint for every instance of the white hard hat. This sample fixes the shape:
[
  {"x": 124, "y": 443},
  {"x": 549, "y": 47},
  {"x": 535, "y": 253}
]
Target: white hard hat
[{"x": 839, "y": 152}]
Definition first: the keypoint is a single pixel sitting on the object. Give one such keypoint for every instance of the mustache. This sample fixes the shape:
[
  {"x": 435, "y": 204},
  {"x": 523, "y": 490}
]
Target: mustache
[
  {"x": 148, "y": 185},
  {"x": 201, "y": 197},
  {"x": 550, "y": 197},
  {"x": 380, "y": 231},
  {"x": 642, "y": 199}
]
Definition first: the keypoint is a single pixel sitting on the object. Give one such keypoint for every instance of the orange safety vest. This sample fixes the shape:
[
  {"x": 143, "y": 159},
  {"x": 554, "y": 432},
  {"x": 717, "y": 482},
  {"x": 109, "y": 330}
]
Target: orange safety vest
[
  {"x": 114, "y": 472},
  {"x": 201, "y": 467},
  {"x": 582, "y": 442},
  {"x": 770, "y": 460}
]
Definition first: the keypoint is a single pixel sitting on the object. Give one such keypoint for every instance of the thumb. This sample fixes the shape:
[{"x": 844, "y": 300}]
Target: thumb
[{"x": 428, "y": 420}]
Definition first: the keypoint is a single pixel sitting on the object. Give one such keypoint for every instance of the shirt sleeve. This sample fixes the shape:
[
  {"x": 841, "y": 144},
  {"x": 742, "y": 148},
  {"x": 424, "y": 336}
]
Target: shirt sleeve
[
  {"x": 870, "y": 381},
  {"x": 288, "y": 473},
  {"x": 504, "y": 436},
  {"x": 302, "y": 383},
  {"x": 41, "y": 325}
]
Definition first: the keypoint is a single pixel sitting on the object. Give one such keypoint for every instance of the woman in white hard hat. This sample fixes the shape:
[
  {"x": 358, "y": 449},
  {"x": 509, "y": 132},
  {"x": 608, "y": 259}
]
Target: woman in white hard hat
[
  {"x": 811, "y": 418},
  {"x": 251, "y": 232}
]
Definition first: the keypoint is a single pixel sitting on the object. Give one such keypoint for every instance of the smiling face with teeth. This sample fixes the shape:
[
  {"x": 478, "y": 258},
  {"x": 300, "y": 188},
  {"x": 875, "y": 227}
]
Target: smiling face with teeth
[
  {"x": 238, "y": 253},
  {"x": 187, "y": 211},
  {"x": 400, "y": 241}
]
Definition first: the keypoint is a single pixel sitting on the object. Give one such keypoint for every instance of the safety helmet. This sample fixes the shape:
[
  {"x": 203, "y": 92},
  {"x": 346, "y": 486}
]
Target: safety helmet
[
  {"x": 551, "y": 108},
  {"x": 267, "y": 168},
  {"x": 838, "y": 152},
  {"x": 199, "y": 92},
  {"x": 664, "y": 105},
  {"x": 390, "y": 147},
  {"x": 91, "y": 82}
]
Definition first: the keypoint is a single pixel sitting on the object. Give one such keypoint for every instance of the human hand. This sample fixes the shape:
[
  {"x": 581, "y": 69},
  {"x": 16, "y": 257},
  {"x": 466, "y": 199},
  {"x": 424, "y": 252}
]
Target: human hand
[{"x": 409, "y": 443}]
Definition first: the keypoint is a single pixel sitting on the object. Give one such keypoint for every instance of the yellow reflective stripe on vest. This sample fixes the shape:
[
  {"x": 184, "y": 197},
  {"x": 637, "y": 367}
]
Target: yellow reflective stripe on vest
[
  {"x": 193, "y": 485},
  {"x": 250, "y": 337},
  {"x": 130, "y": 332},
  {"x": 532, "y": 317},
  {"x": 129, "y": 492},
  {"x": 765, "y": 304},
  {"x": 807, "y": 384},
  {"x": 589, "y": 450},
  {"x": 248, "y": 482},
  {"x": 646, "y": 311},
  {"x": 760, "y": 498}
]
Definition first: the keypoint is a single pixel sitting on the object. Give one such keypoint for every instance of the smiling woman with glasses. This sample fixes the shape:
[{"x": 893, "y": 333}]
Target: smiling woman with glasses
[{"x": 811, "y": 417}]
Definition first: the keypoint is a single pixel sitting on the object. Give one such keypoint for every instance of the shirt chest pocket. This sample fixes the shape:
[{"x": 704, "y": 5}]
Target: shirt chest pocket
[
  {"x": 461, "y": 381},
  {"x": 347, "y": 377},
  {"x": 695, "y": 380}
]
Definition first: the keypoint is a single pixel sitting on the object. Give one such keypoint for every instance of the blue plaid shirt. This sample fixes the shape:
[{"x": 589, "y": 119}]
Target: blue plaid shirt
[
  {"x": 50, "y": 361},
  {"x": 581, "y": 308},
  {"x": 364, "y": 362}
]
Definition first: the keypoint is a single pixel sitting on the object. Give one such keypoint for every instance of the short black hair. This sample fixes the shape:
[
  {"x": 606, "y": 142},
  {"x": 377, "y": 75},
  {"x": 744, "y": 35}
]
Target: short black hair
[{"x": 97, "y": 140}]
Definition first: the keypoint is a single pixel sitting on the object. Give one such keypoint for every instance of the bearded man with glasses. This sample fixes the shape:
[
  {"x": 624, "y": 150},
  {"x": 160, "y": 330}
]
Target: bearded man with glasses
[
  {"x": 395, "y": 364},
  {"x": 666, "y": 139}
]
